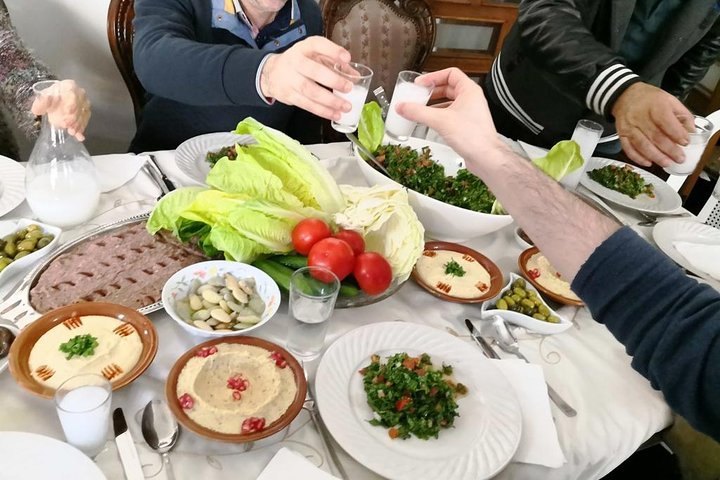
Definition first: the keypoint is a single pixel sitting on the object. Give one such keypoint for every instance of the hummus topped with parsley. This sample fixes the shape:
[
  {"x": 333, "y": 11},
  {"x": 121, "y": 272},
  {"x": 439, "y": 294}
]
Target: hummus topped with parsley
[
  {"x": 540, "y": 270},
  {"x": 88, "y": 344},
  {"x": 236, "y": 388},
  {"x": 453, "y": 273}
]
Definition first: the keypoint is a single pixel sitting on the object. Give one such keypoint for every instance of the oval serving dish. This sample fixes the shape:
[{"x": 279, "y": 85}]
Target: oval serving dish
[{"x": 554, "y": 296}]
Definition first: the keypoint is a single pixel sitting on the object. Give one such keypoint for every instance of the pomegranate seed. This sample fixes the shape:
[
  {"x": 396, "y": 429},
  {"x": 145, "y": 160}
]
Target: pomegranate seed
[
  {"x": 279, "y": 360},
  {"x": 252, "y": 424},
  {"x": 206, "y": 351},
  {"x": 186, "y": 401},
  {"x": 534, "y": 273},
  {"x": 237, "y": 382},
  {"x": 236, "y": 395}
]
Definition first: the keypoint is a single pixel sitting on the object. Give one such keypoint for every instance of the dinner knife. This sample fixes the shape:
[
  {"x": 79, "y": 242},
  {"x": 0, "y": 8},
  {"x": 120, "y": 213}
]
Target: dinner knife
[
  {"x": 126, "y": 447},
  {"x": 486, "y": 348},
  {"x": 156, "y": 166}
]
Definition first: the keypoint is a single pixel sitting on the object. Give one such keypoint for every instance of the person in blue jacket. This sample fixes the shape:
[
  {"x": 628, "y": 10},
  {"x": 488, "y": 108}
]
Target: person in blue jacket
[
  {"x": 208, "y": 64},
  {"x": 668, "y": 322}
]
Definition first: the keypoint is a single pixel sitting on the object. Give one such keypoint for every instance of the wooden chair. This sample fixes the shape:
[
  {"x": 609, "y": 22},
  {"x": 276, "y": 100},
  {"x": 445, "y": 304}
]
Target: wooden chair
[
  {"x": 120, "y": 36},
  {"x": 386, "y": 35}
]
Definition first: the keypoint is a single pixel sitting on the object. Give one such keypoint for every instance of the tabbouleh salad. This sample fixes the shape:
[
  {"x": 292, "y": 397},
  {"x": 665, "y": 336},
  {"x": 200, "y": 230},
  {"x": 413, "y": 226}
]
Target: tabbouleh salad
[{"x": 622, "y": 179}]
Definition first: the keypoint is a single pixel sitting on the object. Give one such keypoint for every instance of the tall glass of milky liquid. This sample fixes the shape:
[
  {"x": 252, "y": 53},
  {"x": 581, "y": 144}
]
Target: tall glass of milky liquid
[
  {"x": 587, "y": 135},
  {"x": 83, "y": 405},
  {"x": 700, "y": 131},
  {"x": 61, "y": 183},
  {"x": 313, "y": 291},
  {"x": 407, "y": 90},
  {"x": 360, "y": 77}
]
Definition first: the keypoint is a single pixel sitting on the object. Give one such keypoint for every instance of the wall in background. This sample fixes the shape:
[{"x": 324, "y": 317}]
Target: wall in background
[{"x": 70, "y": 37}]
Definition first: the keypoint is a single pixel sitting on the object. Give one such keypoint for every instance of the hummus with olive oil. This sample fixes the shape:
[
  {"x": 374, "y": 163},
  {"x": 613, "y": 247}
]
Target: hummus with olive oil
[
  {"x": 208, "y": 381},
  {"x": 118, "y": 350},
  {"x": 432, "y": 269},
  {"x": 542, "y": 272}
]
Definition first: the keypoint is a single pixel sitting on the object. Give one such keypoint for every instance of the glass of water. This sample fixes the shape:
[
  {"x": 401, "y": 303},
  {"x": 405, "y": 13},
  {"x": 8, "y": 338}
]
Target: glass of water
[
  {"x": 360, "y": 76},
  {"x": 313, "y": 291},
  {"x": 695, "y": 148},
  {"x": 406, "y": 91},
  {"x": 587, "y": 135},
  {"x": 83, "y": 405}
]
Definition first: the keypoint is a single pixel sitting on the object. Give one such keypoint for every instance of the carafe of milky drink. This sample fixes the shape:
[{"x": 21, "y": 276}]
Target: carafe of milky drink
[{"x": 61, "y": 183}]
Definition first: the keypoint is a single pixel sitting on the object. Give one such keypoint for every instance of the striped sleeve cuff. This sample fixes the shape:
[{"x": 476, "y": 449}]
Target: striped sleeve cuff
[{"x": 608, "y": 86}]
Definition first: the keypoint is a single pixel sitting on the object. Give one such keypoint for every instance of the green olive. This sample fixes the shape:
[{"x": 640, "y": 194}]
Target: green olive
[
  {"x": 27, "y": 245},
  {"x": 22, "y": 253},
  {"x": 10, "y": 249},
  {"x": 519, "y": 291},
  {"x": 553, "y": 319},
  {"x": 516, "y": 297},
  {"x": 539, "y": 316},
  {"x": 21, "y": 233},
  {"x": 520, "y": 282},
  {"x": 501, "y": 304},
  {"x": 33, "y": 227},
  {"x": 509, "y": 300},
  {"x": 34, "y": 234},
  {"x": 527, "y": 303},
  {"x": 44, "y": 241},
  {"x": 4, "y": 262}
]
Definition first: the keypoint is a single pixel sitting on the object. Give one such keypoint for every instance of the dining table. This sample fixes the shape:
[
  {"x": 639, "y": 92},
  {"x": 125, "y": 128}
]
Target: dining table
[{"x": 617, "y": 408}]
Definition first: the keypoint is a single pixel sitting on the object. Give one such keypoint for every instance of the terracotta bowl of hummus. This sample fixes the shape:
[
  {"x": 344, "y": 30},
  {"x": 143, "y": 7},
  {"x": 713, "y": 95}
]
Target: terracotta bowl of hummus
[
  {"x": 236, "y": 389},
  {"x": 538, "y": 271},
  {"x": 103, "y": 338},
  {"x": 456, "y": 273}
]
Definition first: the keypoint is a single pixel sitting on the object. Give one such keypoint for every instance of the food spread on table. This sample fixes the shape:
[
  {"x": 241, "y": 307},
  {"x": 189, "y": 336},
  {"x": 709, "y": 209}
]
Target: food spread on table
[
  {"x": 21, "y": 243},
  {"x": 221, "y": 304},
  {"x": 453, "y": 273},
  {"x": 235, "y": 388},
  {"x": 539, "y": 269},
  {"x": 622, "y": 179},
  {"x": 409, "y": 396},
  {"x": 86, "y": 344},
  {"x": 125, "y": 265},
  {"x": 519, "y": 298}
]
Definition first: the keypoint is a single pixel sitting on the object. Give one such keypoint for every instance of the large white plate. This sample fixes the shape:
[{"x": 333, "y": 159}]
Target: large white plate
[
  {"x": 12, "y": 184},
  {"x": 190, "y": 155},
  {"x": 684, "y": 230},
  {"x": 485, "y": 436},
  {"x": 28, "y": 455},
  {"x": 666, "y": 199}
]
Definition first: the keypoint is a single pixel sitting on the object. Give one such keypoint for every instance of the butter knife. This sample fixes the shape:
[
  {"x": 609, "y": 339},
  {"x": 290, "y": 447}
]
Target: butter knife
[
  {"x": 158, "y": 171},
  {"x": 126, "y": 447},
  {"x": 486, "y": 348}
]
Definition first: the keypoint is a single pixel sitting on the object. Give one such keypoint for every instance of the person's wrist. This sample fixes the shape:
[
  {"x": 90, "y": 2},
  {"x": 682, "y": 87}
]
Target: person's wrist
[
  {"x": 489, "y": 158},
  {"x": 625, "y": 98},
  {"x": 265, "y": 74}
]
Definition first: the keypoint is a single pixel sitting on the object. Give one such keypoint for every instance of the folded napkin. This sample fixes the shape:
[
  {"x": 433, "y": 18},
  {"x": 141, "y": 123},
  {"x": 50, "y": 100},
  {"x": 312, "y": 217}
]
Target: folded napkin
[
  {"x": 703, "y": 257},
  {"x": 289, "y": 464},
  {"x": 539, "y": 443},
  {"x": 117, "y": 169}
]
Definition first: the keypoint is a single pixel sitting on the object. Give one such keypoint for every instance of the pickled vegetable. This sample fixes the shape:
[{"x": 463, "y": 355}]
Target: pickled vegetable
[
  {"x": 22, "y": 243},
  {"x": 518, "y": 298}
]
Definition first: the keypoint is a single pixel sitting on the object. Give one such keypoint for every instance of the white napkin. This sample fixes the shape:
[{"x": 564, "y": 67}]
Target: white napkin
[
  {"x": 288, "y": 464},
  {"x": 117, "y": 169},
  {"x": 703, "y": 257},
  {"x": 539, "y": 441}
]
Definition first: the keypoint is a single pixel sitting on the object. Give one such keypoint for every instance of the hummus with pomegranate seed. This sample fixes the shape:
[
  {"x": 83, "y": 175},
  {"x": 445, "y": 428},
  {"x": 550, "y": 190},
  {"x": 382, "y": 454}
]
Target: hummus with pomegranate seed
[
  {"x": 228, "y": 386},
  {"x": 539, "y": 268},
  {"x": 465, "y": 278}
]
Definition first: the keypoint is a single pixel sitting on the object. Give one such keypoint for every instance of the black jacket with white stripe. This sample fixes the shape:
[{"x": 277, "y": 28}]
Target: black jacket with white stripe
[{"x": 559, "y": 62}]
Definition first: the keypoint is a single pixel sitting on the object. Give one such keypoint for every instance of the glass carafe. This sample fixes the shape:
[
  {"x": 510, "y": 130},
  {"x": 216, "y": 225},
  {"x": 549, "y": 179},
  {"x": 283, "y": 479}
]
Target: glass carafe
[{"x": 61, "y": 183}]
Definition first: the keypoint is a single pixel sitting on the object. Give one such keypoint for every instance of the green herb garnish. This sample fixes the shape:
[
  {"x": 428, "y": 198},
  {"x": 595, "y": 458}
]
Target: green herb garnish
[
  {"x": 622, "y": 179},
  {"x": 409, "y": 396},
  {"x": 79, "y": 346},
  {"x": 453, "y": 268}
]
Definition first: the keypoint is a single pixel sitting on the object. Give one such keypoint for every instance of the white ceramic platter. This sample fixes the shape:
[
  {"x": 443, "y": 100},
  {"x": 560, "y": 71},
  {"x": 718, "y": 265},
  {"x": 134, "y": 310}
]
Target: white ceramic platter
[
  {"x": 12, "y": 184},
  {"x": 190, "y": 155},
  {"x": 666, "y": 232}
]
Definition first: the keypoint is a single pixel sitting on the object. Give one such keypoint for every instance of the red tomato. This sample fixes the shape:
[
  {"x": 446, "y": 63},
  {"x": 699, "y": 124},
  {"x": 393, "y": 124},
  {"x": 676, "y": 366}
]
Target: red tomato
[
  {"x": 333, "y": 254},
  {"x": 372, "y": 272},
  {"x": 354, "y": 239},
  {"x": 307, "y": 233}
]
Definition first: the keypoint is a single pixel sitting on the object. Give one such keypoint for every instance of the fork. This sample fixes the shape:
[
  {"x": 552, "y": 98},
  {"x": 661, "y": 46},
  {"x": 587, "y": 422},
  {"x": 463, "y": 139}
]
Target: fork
[{"x": 651, "y": 220}]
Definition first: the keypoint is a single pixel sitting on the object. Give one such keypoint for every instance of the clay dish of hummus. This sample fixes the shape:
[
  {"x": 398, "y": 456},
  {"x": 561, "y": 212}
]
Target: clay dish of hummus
[
  {"x": 236, "y": 389},
  {"x": 456, "y": 273},
  {"x": 126, "y": 346},
  {"x": 538, "y": 271}
]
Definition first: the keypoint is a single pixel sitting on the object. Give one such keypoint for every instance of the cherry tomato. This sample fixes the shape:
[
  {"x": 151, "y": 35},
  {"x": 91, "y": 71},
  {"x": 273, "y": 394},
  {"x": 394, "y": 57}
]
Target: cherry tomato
[
  {"x": 333, "y": 254},
  {"x": 354, "y": 239},
  {"x": 307, "y": 233},
  {"x": 372, "y": 272}
]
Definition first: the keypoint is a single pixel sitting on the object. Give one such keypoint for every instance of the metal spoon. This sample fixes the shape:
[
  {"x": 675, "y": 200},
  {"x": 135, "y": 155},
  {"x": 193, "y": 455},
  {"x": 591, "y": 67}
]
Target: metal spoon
[
  {"x": 367, "y": 153},
  {"x": 507, "y": 342},
  {"x": 161, "y": 431}
]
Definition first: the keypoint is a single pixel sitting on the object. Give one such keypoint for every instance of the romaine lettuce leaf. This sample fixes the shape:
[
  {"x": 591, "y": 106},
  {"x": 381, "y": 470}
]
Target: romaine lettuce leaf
[{"x": 371, "y": 127}]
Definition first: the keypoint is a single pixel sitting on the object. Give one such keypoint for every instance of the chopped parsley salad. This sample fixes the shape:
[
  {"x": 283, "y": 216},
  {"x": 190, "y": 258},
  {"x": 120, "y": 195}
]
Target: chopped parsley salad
[
  {"x": 622, "y": 179},
  {"x": 418, "y": 171},
  {"x": 213, "y": 157},
  {"x": 409, "y": 396}
]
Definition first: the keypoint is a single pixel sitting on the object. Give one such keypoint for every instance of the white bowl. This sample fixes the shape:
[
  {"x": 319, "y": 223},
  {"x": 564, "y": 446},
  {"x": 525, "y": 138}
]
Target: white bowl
[
  {"x": 9, "y": 226},
  {"x": 518, "y": 318},
  {"x": 177, "y": 287},
  {"x": 442, "y": 221},
  {"x": 521, "y": 241}
]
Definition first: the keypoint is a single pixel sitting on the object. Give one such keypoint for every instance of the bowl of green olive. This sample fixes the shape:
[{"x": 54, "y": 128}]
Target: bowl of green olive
[
  {"x": 521, "y": 304},
  {"x": 22, "y": 243}
]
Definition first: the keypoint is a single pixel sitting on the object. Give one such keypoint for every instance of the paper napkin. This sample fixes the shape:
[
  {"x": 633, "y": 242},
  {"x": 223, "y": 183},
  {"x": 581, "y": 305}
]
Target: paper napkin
[
  {"x": 117, "y": 169},
  {"x": 539, "y": 441},
  {"x": 703, "y": 257},
  {"x": 287, "y": 464}
]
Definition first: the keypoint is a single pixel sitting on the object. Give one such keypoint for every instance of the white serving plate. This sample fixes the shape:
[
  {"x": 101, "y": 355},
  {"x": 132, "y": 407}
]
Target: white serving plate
[
  {"x": 190, "y": 155},
  {"x": 666, "y": 232},
  {"x": 18, "y": 266},
  {"x": 12, "y": 184}
]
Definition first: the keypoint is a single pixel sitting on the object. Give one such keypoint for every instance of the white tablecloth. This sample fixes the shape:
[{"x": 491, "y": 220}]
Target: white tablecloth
[{"x": 617, "y": 408}]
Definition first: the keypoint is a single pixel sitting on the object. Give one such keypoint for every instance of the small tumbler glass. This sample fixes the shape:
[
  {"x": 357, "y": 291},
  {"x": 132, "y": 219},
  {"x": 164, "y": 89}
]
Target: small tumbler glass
[
  {"x": 406, "y": 91},
  {"x": 360, "y": 77},
  {"x": 695, "y": 148},
  {"x": 587, "y": 135},
  {"x": 83, "y": 405},
  {"x": 313, "y": 291}
]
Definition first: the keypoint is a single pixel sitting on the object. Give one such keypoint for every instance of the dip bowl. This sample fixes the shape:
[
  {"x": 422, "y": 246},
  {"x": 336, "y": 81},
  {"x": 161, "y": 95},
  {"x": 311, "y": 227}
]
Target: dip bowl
[
  {"x": 487, "y": 310},
  {"x": 24, "y": 343},
  {"x": 441, "y": 220},
  {"x": 8, "y": 227},
  {"x": 288, "y": 416},
  {"x": 554, "y": 296}
]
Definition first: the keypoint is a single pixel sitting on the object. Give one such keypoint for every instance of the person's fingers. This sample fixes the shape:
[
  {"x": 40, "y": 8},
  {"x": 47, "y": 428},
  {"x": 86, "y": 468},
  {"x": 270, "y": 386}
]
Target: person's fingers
[
  {"x": 444, "y": 91},
  {"x": 422, "y": 114},
  {"x": 323, "y": 75},
  {"x": 665, "y": 144},
  {"x": 665, "y": 118},
  {"x": 647, "y": 149},
  {"x": 633, "y": 154},
  {"x": 44, "y": 103},
  {"x": 318, "y": 94},
  {"x": 318, "y": 45},
  {"x": 448, "y": 76}
]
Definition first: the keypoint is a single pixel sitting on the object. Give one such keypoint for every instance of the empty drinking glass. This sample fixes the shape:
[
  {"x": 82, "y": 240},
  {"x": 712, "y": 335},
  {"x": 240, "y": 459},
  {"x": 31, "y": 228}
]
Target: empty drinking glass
[
  {"x": 313, "y": 291},
  {"x": 406, "y": 91},
  {"x": 360, "y": 76},
  {"x": 693, "y": 151},
  {"x": 587, "y": 135}
]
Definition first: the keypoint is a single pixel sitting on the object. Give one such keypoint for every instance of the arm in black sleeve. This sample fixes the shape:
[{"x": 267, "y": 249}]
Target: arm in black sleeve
[
  {"x": 669, "y": 323},
  {"x": 693, "y": 66}
]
